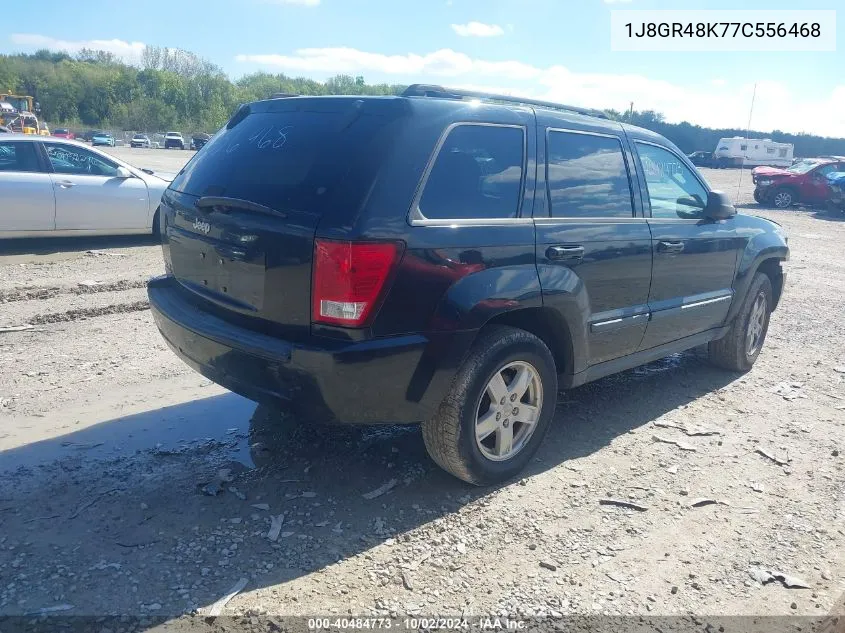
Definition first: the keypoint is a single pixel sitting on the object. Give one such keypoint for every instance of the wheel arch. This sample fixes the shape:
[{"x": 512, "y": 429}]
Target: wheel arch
[{"x": 547, "y": 325}]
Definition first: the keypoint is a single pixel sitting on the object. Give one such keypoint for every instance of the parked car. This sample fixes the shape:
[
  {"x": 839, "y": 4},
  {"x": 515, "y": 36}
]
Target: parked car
[
  {"x": 4, "y": 129},
  {"x": 140, "y": 140},
  {"x": 701, "y": 159},
  {"x": 102, "y": 138},
  {"x": 173, "y": 139},
  {"x": 414, "y": 266},
  {"x": 836, "y": 182},
  {"x": 804, "y": 182},
  {"x": 63, "y": 132},
  {"x": 198, "y": 141},
  {"x": 60, "y": 187}
]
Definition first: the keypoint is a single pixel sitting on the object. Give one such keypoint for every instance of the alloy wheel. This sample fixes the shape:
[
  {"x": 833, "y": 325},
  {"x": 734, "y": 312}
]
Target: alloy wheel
[
  {"x": 508, "y": 411},
  {"x": 756, "y": 325}
]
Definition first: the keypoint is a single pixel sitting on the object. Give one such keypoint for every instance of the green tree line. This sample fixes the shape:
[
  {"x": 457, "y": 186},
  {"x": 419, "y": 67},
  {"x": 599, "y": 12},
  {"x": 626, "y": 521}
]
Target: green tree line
[{"x": 175, "y": 89}]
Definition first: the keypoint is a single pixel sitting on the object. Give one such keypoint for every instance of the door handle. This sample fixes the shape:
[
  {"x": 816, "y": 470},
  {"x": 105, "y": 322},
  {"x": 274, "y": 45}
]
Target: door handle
[
  {"x": 670, "y": 247},
  {"x": 565, "y": 253},
  {"x": 66, "y": 184}
]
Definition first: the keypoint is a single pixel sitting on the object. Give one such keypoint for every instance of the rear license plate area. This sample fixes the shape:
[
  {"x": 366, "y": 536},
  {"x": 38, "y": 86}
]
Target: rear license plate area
[{"x": 228, "y": 273}]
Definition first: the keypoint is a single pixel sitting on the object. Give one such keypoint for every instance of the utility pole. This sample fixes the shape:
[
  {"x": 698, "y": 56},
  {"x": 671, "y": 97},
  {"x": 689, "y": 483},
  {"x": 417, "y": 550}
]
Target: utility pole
[{"x": 631, "y": 113}]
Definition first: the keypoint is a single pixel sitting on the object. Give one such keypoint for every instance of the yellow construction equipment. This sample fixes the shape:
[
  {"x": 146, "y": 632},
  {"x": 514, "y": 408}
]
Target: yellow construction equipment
[{"x": 18, "y": 113}]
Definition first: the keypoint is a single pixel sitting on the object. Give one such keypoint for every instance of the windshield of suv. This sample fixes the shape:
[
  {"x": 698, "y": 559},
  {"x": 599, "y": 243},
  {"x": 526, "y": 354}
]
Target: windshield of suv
[{"x": 802, "y": 168}]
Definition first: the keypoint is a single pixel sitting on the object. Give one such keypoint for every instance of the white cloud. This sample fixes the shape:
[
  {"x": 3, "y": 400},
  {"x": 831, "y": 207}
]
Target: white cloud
[
  {"x": 718, "y": 82},
  {"x": 478, "y": 29},
  {"x": 709, "y": 104},
  {"x": 127, "y": 51}
]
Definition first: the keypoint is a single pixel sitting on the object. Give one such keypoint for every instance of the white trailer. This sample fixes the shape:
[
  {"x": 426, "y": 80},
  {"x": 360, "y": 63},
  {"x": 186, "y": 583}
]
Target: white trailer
[{"x": 752, "y": 152}]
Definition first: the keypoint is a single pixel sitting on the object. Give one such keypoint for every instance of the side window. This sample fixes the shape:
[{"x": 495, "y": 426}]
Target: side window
[
  {"x": 826, "y": 169},
  {"x": 18, "y": 157},
  {"x": 477, "y": 174},
  {"x": 587, "y": 176},
  {"x": 673, "y": 190},
  {"x": 69, "y": 159}
]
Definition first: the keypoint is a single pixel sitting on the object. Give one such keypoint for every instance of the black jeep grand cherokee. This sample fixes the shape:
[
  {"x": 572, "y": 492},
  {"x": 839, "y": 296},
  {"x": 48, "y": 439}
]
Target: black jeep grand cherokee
[{"x": 451, "y": 258}]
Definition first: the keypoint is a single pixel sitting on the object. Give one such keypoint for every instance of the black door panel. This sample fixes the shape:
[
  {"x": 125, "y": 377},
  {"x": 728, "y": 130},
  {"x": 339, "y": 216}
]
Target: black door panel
[
  {"x": 591, "y": 247},
  {"x": 694, "y": 258},
  {"x": 613, "y": 272}
]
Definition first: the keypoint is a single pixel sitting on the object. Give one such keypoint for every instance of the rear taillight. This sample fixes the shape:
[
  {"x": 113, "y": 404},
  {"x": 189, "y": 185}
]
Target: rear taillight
[{"x": 349, "y": 278}]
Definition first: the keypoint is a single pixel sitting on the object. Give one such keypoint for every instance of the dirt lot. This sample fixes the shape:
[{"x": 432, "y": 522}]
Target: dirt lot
[{"x": 110, "y": 446}]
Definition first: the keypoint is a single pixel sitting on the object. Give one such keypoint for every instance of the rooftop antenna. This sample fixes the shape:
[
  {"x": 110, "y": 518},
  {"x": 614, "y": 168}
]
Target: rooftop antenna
[{"x": 747, "y": 132}]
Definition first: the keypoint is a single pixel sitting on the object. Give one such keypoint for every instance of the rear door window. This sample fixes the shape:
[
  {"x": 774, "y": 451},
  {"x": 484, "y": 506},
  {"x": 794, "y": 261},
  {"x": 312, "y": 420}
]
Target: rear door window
[
  {"x": 478, "y": 174},
  {"x": 587, "y": 176},
  {"x": 18, "y": 157}
]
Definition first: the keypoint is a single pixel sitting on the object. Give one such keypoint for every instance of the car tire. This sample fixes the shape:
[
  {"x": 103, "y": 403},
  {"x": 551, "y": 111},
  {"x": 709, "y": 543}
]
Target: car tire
[
  {"x": 783, "y": 198},
  {"x": 156, "y": 226},
  {"x": 740, "y": 347},
  {"x": 453, "y": 437}
]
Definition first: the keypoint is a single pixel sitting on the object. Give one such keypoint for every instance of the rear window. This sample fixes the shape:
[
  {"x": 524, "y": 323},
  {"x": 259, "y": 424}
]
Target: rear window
[
  {"x": 286, "y": 160},
  {"x": 477, "y": 174}
]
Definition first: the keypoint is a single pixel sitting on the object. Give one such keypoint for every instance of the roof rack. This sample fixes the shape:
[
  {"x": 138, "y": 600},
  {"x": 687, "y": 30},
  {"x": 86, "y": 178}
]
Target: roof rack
[
  {"x": 284, "y": 95},
  {"x": 439, "y": 92}
]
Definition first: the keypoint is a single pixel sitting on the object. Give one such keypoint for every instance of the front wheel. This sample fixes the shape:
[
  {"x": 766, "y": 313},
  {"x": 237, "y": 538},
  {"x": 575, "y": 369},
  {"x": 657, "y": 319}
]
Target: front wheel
[
  {"x": 499, "y": 408},
  {"x": 740, "y": 347},
  {"x": 783, "y": 198}
]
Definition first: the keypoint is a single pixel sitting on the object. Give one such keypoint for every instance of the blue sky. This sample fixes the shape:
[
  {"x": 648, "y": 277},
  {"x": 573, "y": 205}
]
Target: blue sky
[{"x": 556, "y": 49}]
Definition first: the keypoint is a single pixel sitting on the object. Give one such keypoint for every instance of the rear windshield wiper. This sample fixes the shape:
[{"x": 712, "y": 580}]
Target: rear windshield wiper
[{"x": 236, "y": 203}]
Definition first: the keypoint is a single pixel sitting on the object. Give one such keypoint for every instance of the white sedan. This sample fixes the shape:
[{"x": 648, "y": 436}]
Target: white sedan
[{"x": 57, "y": 187}]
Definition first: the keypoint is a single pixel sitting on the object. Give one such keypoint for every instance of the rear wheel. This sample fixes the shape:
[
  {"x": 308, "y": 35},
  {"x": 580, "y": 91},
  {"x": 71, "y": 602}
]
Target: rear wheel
[
  {"x": 783, "y": 198},
  {"x": 741, "y": 346},
  {"x": 500, "y": 407}
]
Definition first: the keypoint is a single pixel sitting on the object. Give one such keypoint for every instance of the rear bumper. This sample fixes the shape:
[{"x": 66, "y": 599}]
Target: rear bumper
[{"x": 399, "y": 379}]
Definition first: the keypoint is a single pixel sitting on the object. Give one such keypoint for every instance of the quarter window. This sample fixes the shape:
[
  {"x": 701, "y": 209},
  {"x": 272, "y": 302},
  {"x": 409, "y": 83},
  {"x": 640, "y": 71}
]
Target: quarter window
[
  {"x": 673, "y": 190},
  {"x": 587, "y": 176},
  {"x": 18, "y": 157},
  {"x": 68, "y": 159},
  {"x": 478, "y": 173}
]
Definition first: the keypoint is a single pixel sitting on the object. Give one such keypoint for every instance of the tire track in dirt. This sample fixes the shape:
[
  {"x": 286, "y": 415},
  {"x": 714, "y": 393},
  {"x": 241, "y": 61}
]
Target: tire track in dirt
[
  {"x": 35, "y": 292},
  {"x": 80, "y": 314}
]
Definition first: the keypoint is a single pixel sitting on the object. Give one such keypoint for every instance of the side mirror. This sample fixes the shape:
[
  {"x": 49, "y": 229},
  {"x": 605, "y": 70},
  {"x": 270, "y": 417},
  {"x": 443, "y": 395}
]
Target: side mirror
[
  {"x": 122, "y": 172},
  {"x": 719, "y": 206}
]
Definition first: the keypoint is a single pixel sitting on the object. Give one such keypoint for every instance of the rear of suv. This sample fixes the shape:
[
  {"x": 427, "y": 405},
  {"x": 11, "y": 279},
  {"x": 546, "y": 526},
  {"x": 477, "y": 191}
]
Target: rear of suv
[{"x": 450, "y": 258}]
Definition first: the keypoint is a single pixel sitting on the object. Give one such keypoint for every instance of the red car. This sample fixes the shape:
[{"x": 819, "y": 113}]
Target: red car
[
  {"x": 804, "y": 182},
  {"x": 63, "y": 133}
]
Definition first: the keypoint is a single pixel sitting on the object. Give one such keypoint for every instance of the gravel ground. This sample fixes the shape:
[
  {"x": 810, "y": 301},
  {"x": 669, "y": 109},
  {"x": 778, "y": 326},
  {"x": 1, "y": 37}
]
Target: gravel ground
[{"x": 112, "y": 452}]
